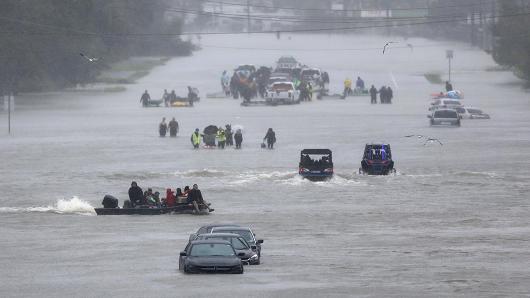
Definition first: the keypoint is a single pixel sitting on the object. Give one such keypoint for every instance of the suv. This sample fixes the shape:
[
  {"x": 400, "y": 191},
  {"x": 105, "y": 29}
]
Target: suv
[
  {"x": 445, "y": 117},
  {"x": 444, "y": 103},
  {"x": 316, "y": 164},
  {"x": 377, "y": 160}
]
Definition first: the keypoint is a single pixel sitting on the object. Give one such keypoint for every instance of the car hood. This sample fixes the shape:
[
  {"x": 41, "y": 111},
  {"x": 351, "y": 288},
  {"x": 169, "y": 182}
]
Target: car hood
[
  {"x": 248, "y": 253},
  {"x": 214, "y": 261}
]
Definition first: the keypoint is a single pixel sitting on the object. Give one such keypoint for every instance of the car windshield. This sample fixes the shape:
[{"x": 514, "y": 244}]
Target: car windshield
[
  {"x": 246, "y": 234},
  {"x": 445, "y": 114},
  {"x": 237, "y": 242},
  {"x": 282, "y": 87},
  {"x": 474, "y": 111},
  {"x": 460, "y": 110},
  {"x": 211, "y": 249}
]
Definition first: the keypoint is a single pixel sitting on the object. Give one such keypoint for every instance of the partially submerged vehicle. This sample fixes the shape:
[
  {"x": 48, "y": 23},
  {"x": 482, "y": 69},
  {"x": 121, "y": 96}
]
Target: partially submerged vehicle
[
  {"x": 210, "y": 256},
  {"x": 471, "y": 113},
  {"x": 286, "y": 63},
  {"x": 153, "y": 103},
  {"x": 282, "y": 93},
  {"x": 444, "y": 117},
  {"x": 377, "y": 160},
  {"x": 445, "y": 103},
  {"x": 316, "y": 164}
]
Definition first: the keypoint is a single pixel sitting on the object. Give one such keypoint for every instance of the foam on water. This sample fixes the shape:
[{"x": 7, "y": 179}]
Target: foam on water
[{"x": 62, "y": 206}]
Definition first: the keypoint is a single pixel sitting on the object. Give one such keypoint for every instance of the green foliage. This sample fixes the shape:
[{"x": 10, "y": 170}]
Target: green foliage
[
  {"x": 41, "y": 40},
  {"x": 512, "y": 46}
]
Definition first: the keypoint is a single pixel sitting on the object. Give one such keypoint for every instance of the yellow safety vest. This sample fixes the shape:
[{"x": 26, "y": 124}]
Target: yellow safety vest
[{"x": 196, "y": 138}]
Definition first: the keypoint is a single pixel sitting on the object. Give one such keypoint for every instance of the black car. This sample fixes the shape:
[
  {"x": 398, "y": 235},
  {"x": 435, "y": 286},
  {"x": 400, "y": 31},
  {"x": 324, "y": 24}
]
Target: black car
[
  {"x": 244, "y": 232},
  {"x": 208, "y": 228},
  {"x": 239, "y": 244},
  {"x": 316, "y": 164},
  {"x": 377, "y": 160},
  {"x": 210, "y": 256}
]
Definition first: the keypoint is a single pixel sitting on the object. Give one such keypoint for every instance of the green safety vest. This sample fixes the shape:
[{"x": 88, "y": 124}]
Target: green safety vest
[
  {"x": 196, "y": 138},
  {"x": 222, "y": 137}
]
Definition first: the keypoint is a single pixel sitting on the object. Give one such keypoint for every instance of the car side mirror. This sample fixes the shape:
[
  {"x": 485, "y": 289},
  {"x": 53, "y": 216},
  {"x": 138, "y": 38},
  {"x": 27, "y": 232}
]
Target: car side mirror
[
  {"x": 260, "y": 241},
  {"x": 241, "y": 254},
  {"x": 182, "y": 253},
  {"x": 192, "y": 237},
  {"x": 253, "y": 247}
]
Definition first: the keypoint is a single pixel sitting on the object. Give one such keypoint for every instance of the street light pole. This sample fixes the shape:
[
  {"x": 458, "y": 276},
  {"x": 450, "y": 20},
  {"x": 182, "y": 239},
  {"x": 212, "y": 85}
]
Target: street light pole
[
  {"x": 449, "y": 54},
  {"x": 9, "y": 113}
]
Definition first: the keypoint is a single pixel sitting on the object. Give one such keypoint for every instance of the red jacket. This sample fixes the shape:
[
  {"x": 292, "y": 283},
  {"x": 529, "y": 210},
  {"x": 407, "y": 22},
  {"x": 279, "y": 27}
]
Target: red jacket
[{"x": 170, "y": 198}]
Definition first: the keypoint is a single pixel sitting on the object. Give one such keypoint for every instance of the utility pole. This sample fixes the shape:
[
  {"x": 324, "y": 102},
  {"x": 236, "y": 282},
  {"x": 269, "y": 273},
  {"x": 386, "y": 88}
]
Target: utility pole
[
  {"x": 248, "y": 16},
  {"x": 9, "y": 113}
]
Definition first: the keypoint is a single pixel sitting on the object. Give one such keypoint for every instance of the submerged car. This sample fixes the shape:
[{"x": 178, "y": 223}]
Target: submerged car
[
  {"x": 471, "y": 113},
  {"x": 238, "y": 242},
  {"x": 444, "y": 117},
  {"x": 445, "y": 103},
  {"x": 208, "y": 229},
  {"x": 210, "y": 256},
  {"x": 377, "y": 160},
  {"x": 247, "y": 234},
  {"x": 282, "y": 93},
  {"x": 316, "y": 164}
]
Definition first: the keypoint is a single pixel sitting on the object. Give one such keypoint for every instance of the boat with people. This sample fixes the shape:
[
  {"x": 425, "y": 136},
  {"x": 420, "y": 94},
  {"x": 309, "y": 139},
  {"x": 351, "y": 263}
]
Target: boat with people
[{"x": 148, "y": 203}]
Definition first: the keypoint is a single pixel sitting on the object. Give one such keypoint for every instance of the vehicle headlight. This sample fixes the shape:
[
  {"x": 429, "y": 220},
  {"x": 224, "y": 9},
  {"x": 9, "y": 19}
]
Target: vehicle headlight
[{"x": 254, "y": 257}]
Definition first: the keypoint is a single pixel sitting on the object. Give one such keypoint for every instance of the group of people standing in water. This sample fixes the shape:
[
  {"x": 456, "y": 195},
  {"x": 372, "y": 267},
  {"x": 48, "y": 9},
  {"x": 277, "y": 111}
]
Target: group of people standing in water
[{"x": 173, "y": 127}]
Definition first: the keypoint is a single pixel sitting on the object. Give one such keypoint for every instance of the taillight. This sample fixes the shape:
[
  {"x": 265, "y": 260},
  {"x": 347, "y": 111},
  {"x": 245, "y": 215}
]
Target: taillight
[{"x": 328, "y": 170}]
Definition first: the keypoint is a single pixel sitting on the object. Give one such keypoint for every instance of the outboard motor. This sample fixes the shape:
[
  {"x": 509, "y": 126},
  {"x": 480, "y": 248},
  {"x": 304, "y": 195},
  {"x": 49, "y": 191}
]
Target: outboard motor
[{"x": 109, "y": 202}]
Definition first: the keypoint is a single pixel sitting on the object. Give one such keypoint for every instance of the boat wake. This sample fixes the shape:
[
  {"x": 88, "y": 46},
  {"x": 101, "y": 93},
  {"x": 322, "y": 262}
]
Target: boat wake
[{"x": 72, "y": 206}]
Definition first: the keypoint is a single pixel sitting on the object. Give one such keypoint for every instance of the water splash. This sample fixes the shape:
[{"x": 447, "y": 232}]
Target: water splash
[{"x": 62, "y": 206}]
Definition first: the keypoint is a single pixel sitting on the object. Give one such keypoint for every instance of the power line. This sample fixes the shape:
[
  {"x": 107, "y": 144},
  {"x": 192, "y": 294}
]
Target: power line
[
  {"x": 94, "y": 34},
  {"x": 345, "y": 10}
]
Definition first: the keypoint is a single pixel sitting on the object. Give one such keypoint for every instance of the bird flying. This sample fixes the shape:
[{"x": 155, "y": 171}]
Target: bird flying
[
  {"x": 387, "y": 45},
  {"x": 89, "y": 59},
  {"x": 433, "y": 140}
]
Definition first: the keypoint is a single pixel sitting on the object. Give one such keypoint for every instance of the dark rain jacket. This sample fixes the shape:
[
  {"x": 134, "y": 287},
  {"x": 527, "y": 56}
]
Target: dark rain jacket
[{"x": 136, "y": 195}]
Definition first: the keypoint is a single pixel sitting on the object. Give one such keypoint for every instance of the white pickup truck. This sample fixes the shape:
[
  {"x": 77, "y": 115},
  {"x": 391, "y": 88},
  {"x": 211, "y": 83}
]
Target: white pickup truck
[{"x": 282, "y": 93}]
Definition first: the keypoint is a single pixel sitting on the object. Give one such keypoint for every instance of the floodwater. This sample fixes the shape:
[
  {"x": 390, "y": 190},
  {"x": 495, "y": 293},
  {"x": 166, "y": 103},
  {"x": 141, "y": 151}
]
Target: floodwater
[{"x": 453, "y": 221}]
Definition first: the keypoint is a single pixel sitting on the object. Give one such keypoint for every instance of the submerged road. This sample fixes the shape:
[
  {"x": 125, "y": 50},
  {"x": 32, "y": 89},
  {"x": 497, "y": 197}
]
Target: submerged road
[{"x": 454, "y": 221}]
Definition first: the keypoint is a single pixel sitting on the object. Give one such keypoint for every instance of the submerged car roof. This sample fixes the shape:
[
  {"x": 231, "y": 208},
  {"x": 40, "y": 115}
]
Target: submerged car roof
[
  {"x": 210, "y": 241},
  {"x": 233, "y": 228},
  {"x": 316, "y": 151},
  {"x": 218, "y": 235}
]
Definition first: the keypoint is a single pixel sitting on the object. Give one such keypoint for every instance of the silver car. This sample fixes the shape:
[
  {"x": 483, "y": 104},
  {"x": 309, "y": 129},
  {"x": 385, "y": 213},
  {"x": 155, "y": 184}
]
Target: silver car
[{"x": 447, "y": 117}]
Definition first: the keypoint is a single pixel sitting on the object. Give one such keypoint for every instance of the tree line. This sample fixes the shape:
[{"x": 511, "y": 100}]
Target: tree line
[
  {"x": 512, "y": 37},
  {"x": 41, "y": 40}
]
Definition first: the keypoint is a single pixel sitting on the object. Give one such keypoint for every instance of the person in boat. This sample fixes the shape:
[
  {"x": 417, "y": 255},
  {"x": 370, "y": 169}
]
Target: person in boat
[
  {"x": 229, "y": 135},
  {"x": 162, "y": 127},
  {"x": 196, "y": 139},
  {"x": 170, "y": 198},
  {"x": 359, "y": 84},
  {"x": 136, "y": 195},
  {"x": 238, "y": 137},
  {"x": 145, "y": 99},
  {"x": 221, "y": 138},
  {"x": 186, "y": 191},
  {"x": 165, "y": 97},
  {"x": 173, "y": 127},
  {"x": 448, "y": 86},
  {"x": 270, "y": 137},
  {"x": 347, "y": 87},
  {"x": 195, "y": 197},
  {"x": 373, "y": 95}
]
